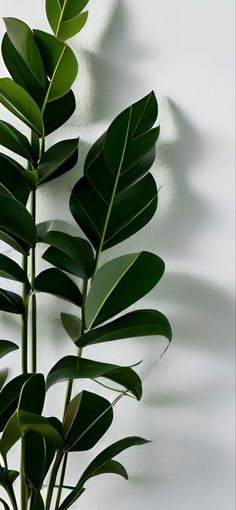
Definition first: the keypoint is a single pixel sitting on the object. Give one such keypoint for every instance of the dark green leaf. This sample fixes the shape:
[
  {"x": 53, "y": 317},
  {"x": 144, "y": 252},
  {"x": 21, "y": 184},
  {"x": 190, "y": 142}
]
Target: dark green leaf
[
  {"x": 60, "y": 63},
  {"x": 64, "y": 17},
  {"x": 34, "y": 448},
  {"x": 6, "y": 346},
  {"x": 72, "y": 325},
  {"x": 7, "y": 477},
  {"x": 10, "y": 302},
  {"x": 32, "y": 395},
  {"x": 58, "y": 112},
  {"x": 12, "y": 178},
  {"x": 14, "y": 242},
  {"x": 13, "y": 140},
  {"x": 6, "y": 507},
  {"x": 3, "y": 377},
  {"x": 87, "y": 418},
  {"x": 113, "y": 467},
  {"x": 120, "y": 283},
  {"x": 71, "y": 367},
  {"x": 54, "y": 281},
  {"x": 17, "y": 221},
  {"x": 71, "y": 498},
  {"x": 21, "y": 104},
  {"x": 11, "y": 270},
  {"x": 9, "y": 398},
  {"x": 132, "y": 325},
  {"x": 23, "y": 41},
  {"x": 72, "y": 254},
  {"x": 59, "y": 159},
  {"x": 37, "y": 502},
  {"x": 20, "y": 72}
]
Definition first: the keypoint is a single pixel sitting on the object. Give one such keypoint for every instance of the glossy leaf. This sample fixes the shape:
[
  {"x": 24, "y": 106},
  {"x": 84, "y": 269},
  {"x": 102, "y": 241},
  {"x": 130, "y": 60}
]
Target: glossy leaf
[
  {"x": 12, "y": 178},
  {"x": 23, "y": 41},
  {"x": 32, "y": 395},
  {"x": 113, "y": 467},
  {"x": 20, "y": 72},
  {"x": 72, "y": 254},
  {"x": 60, "y": 63},
  {"x": 87, "y": 418},
  {"x": 3, "y": 377},
  {"x": 17, "y": 221},
  {"x": 132, "y": 325},
  {"x": 54, "y": 281},
  {"x": 11, "y": 302},
  {"x": 58, "y": 112},
  {"x": 9, "y": 398},
  {"x": 15, "y": 243},
  {"x": 57, "y": 160},
  {"x": 72, "y": 325},
  {"x": 116, "y": 198},
  {"x": 13, "y": 140},
  {"x": 6, "y": 347},
  {"x": 7, "y": 478},
  {"x": 71, "y": 367},
  {"x": 34, "y": 448},
  {"x": 11, "y": 270},
  {"x": 21, "y": 104},
  {"x": 120, "y": 283},
  {"x": 64, "y": 17}
]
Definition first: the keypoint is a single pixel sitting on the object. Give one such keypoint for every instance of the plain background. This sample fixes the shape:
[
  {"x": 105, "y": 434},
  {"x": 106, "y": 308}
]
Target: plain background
[{"x": 184, "y": 51}]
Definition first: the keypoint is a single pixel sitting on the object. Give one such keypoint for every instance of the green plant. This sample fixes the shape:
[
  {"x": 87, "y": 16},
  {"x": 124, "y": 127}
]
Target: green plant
[{"x": 116, "y": 197}]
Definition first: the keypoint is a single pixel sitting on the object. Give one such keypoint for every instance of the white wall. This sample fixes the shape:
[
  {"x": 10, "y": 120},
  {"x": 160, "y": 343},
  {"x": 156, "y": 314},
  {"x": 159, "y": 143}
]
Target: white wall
[{"x": 184, "y": 51}]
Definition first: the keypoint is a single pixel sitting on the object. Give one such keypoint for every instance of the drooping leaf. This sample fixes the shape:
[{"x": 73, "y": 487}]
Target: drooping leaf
[
  {"x": 65, "y": 17},
  {"x": 71, "y": 367},
  {"x": 87, "y": 418},
  {"x": 116, "y": 198},
  {"x": 60, "y": 63},
  {"x": 17, "y": 221},
  {"x": 54, "y": 281},
  {"x": 132, "y": 325},
  {"x": 6, "y": 346},
  {"x": 21, "y": 104},
  {"x": 72, "y": 254},
  {"x": 120, "y": 283},
  {"x": 58, "y": 112},
  {"x": 3, "y": 377},
  {"x": 34, "y": 448},
  {"x": 72, "y": 325},
  {"x": 14, "y": 242},
  {"x": 71, "y": 498},
  {"x": 20, "y": 72},
  {"x": 113, "y": 467},
  {"x": 57, "y": 160},
  {"x": 11, "y": 302},
  {"x": 7, "y": 478},
  {"x": 13, "y": 140},
  {"x": 9, "y": 398},
  {"x": 12, "y": 178},
  {"x": 23, "y": 41},
  {"x": 11, "y": 270}
]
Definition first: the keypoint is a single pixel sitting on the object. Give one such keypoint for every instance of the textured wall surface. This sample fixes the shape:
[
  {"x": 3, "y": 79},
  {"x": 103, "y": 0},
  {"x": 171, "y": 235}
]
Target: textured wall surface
[{"x": 184, "y": 51}]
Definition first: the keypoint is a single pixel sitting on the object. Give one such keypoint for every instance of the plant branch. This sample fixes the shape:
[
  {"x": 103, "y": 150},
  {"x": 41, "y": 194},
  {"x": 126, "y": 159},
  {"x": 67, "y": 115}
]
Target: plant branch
[
  {"x": 53, "y": 478},
  {"x": 33, "y": 298}
]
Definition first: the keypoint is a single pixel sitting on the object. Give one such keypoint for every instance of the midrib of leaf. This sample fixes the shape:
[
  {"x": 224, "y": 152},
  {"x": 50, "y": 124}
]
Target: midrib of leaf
[
  {"x": 22, "y": 116},
  {"x": 113, "y": 287},
  {"x": 61, "y": 18},
  {"x": 141, "y": 117},
  {"x": 11, "y": 301},
  {"x": 113, "y": 195},
  {"x": 46, "y": 175},
  {"x": 51, "y": 81}
]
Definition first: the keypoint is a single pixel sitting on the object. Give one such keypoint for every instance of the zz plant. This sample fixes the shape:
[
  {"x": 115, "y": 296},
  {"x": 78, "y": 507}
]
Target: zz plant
[{"x": 115, "y": 198}]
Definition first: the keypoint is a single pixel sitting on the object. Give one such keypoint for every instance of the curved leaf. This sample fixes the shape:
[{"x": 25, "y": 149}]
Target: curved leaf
[
  {"x": 71, "y": 367},
  {"x": 17, "y": 221},
  {"x": 12, "y": 178},
  {"x": 60, "y": 63},
  {"x": 57, "y": 160},
  {"x": 72, "y": 325},
  {"x": 6, "y": 346},
  {"x": 11, "y": 270},
  {"x": 72, "y": 254},
  {"x": 15, "y": 243},
  {"x": 10, "y": 302},
  {"x": 21, "y": 104},
  {"x": 5, "y": 505},
  {"x": 120, "y": 283},
  {"x": 32, "y": 394},
  {"x": 71, "y": 498},
  {"x": 115, "y": 198},
  {"x": 58, "y": 112},
  {"x": 13, "y": 140},
  {"x": 87, "y": 418},
  {"x": 54, "y": 281},
  {"x": 23, "y": 41},
  {"x": 9, "y": 398},
  {"x": 132, "y": 325},
  {"x": 3, "y": 377},
  {"x": 34, "y": 448},
  {"x": 64, "y": 17}
]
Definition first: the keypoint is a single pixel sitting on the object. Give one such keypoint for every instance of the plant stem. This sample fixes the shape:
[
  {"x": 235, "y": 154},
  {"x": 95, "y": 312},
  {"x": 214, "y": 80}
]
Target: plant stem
[
  {"x": 24, "y": 323},
  {"x": 69, "y": 393},
  {"x": 53, "y": 478},
  {"x": 33, "y": 299}
]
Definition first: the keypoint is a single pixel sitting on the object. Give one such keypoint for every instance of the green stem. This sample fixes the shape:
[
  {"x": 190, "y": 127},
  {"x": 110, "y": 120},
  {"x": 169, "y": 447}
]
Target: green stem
[
  {"x": 24, "y": 324},
  {"x": 33, "y": 299},
  {"x": 69, "y": 393},
  {"x": 53, "y": 478}
]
